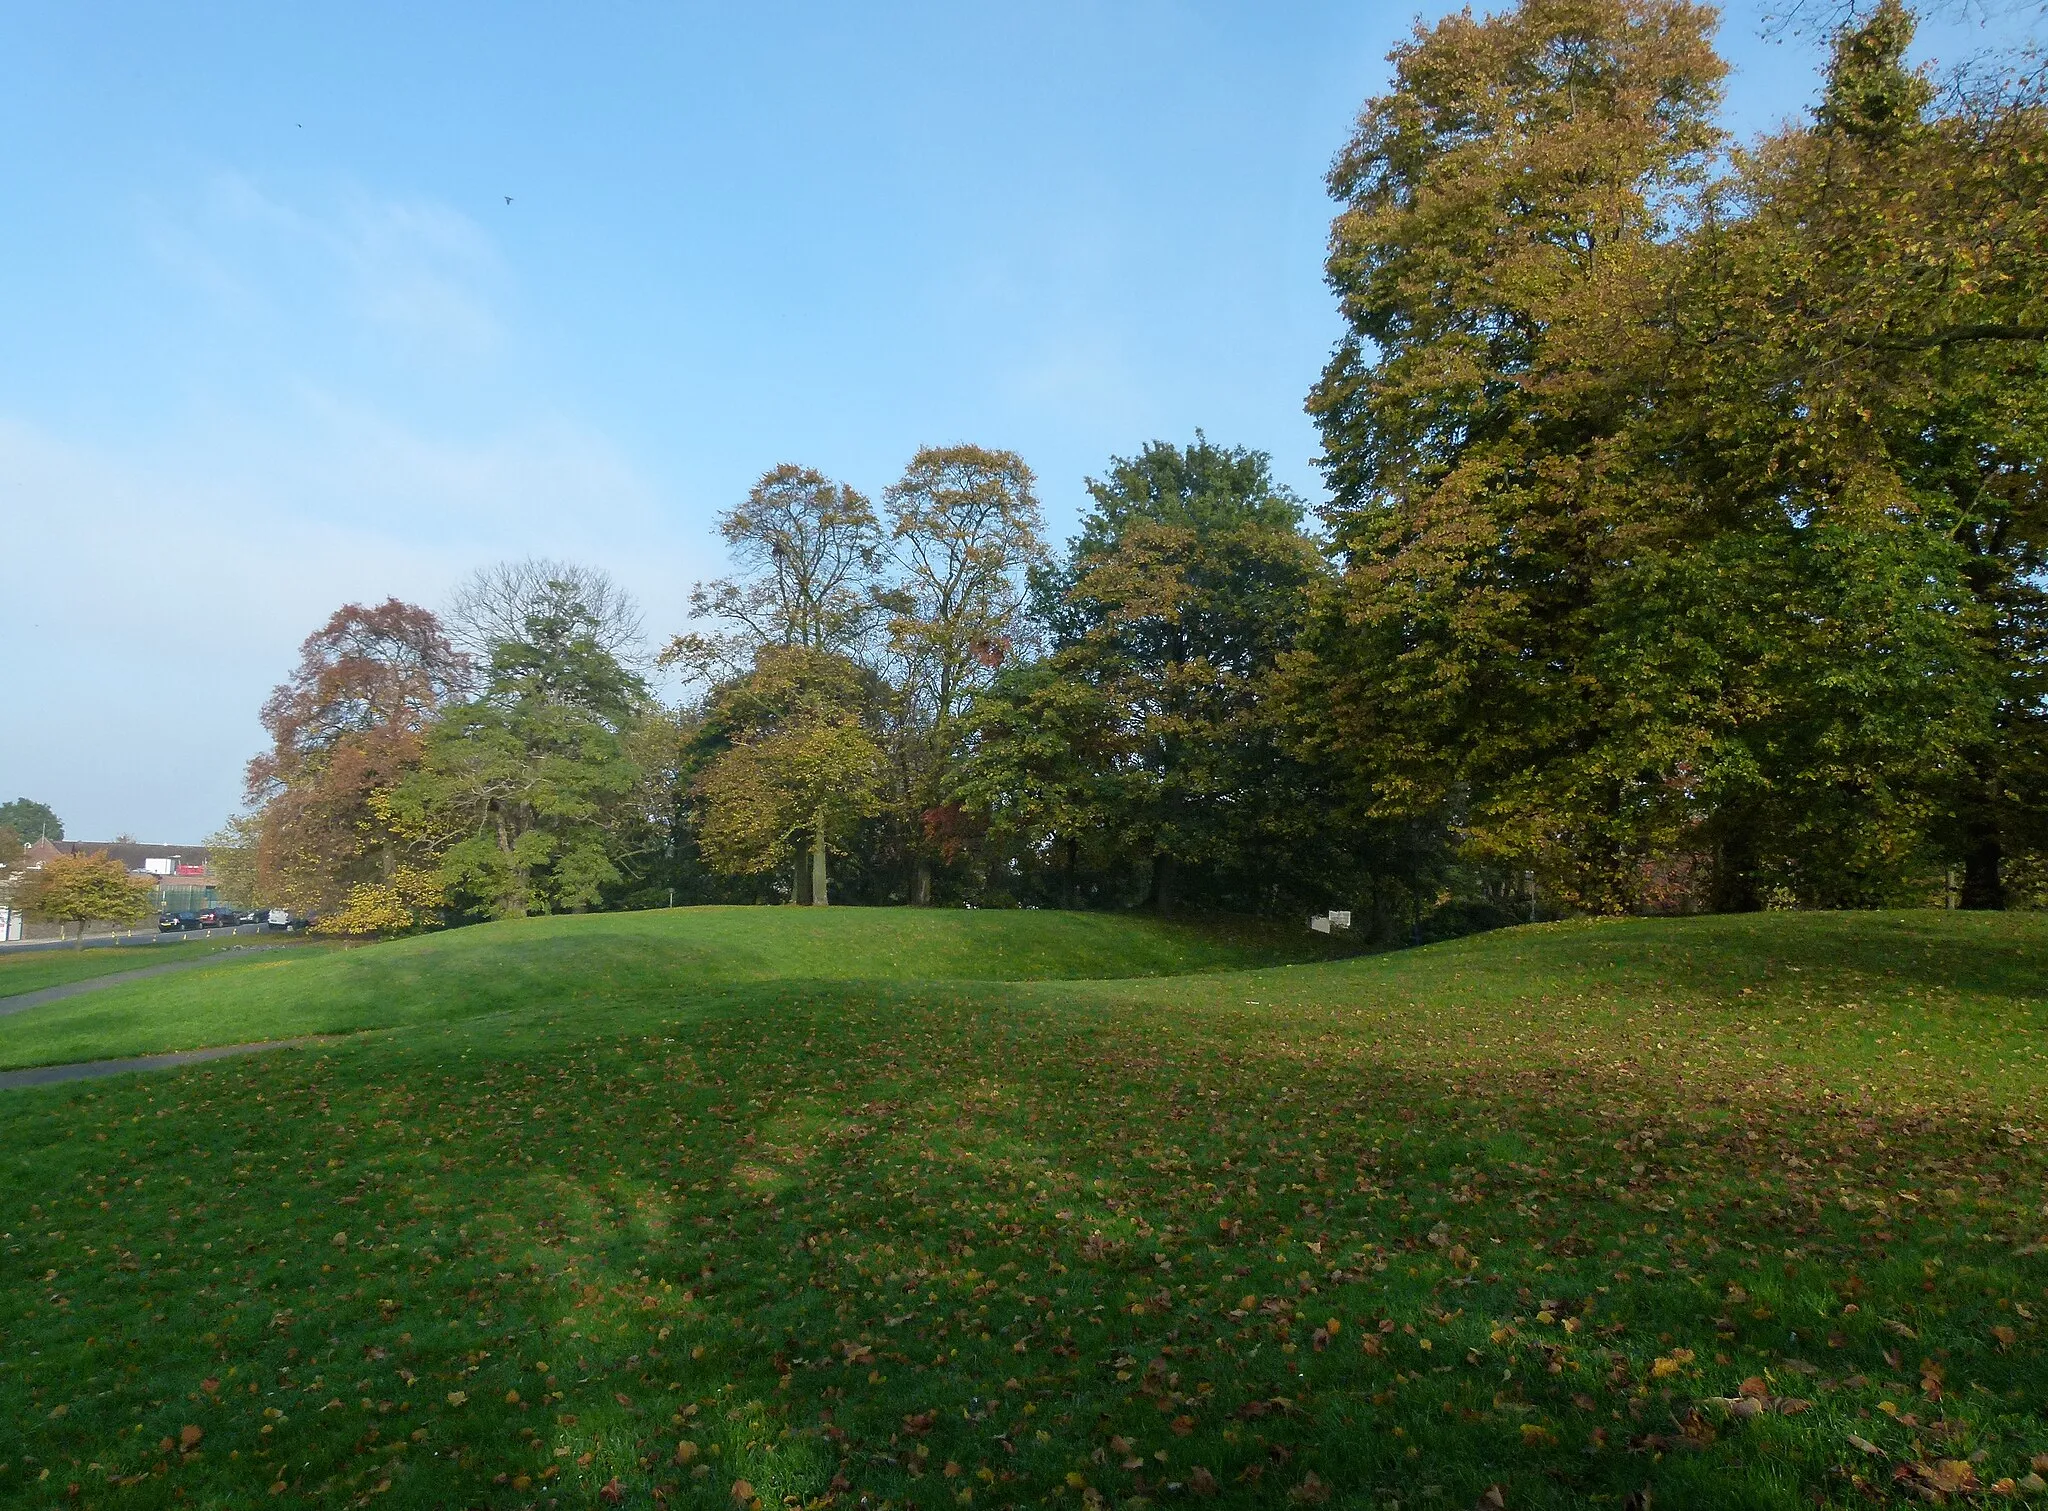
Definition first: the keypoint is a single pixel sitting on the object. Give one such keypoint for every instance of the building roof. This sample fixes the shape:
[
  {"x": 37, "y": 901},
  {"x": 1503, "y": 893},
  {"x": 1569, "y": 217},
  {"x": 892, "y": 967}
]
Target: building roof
[{"x": 128, "y": 854}]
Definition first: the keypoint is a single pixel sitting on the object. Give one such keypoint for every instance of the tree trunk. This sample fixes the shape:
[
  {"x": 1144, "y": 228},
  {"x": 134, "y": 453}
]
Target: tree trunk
[
  {"x": 819, "y": 895},
  {"x": 921, "y": 883},
  {"x": 800, "y": 881},
  {"x": 1073, "y": 869},
  {"x": 1162, "y": 884},
  {"x": 79, "y": 943},
  {"x": 1983, "y": 870},
  {"x": 1734, "y": 889},
  {"x": 1983, "y": 846}
]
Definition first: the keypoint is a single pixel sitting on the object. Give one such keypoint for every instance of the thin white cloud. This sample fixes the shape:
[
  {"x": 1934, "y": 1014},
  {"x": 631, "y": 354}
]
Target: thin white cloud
[{"x": 418, "y": 273}]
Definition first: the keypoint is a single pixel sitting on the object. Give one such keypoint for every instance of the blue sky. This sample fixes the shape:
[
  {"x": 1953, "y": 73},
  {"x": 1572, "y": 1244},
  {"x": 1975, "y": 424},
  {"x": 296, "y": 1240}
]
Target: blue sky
[{"x": 274, "y": 339}]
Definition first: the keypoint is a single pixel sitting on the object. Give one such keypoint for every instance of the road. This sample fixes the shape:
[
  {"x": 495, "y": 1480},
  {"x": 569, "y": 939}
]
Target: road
[{"x": 135, "y": 941}]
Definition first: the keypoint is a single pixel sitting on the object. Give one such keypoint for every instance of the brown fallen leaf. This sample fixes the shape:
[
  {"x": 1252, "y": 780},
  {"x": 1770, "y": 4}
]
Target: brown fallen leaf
[
  {"x": 1492, "y": 1498},
  {"x": 1202, "y": 1482},
  {"x": 742, "y": 1492},
  {"x": 1310, "y": 1492},
  {"x": 189, "y": 1436},
  {"x": 613, "y": 1491},
  {"x": 1864, "y": 1445}
]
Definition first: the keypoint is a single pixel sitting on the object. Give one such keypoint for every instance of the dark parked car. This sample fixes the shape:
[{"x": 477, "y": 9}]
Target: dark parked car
[
  {"x": 219, "y": 918},
  {"x": 168, "y": 923}
]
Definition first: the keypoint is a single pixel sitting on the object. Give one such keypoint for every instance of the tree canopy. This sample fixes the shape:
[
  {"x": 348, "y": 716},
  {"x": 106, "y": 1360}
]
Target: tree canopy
[
  {"x": 31, "y": 820},
  {"x": 1683, "y": 545}
]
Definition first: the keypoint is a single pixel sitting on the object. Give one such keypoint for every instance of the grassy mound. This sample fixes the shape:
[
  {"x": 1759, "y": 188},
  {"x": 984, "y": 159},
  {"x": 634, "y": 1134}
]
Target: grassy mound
[
  {"x": 607, "y": 961},
  {"x": 1746, "y": 1211}
]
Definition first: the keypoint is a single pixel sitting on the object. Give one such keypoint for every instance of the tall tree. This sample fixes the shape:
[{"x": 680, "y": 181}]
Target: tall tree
[
  {"x": 964, "y": 533},
  {"x": 522, "y": 788},
  {"x": 1508, "y": 228},
  {"x": 797, "y": 762},
  {"x": 345, "y": 730},
  {"x": 492, "y": 607},
  {"x": 31, "y": 820},
  {"x": 1151, "y": 722},
  {"x": 806, "y": 551},
  {"x": 1864, "y": 328}
]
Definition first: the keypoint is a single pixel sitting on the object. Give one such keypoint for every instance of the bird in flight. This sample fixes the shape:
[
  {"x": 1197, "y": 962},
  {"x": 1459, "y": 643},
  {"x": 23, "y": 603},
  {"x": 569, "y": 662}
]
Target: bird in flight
[{"x": 508, "y": 199}]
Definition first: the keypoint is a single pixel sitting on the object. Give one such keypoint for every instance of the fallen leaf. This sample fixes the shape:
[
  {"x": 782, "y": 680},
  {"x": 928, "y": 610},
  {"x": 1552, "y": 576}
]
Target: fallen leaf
[
  {"x": 1310, "y": 1492},
  {"x": 188, "y": 1437}
]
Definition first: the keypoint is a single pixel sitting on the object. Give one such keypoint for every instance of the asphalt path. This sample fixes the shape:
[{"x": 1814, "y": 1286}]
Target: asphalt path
[
  {"x": 88, "y": 1070},
  {"x": 23, "y": 1001},
  {"x": 130, "y": 941}
]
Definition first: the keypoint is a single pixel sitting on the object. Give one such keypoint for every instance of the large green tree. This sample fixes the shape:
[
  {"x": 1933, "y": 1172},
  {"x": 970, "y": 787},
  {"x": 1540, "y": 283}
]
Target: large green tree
[
  {"x": 1147, "y": 740},
  {"x": 964, "y": 533},
  {"x": 31, "y": 820},
  {"x": 1862, "y": 396},
  {"x": 1681, "y": 514},
  {"x": 1505, "y": 237},
  {"x": 523, "y": 789}
]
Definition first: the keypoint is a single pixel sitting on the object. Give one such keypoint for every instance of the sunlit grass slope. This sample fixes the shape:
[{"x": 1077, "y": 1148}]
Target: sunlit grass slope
[
  {"x": 603, "y": 962},
  {"x": 33, "y": 970},
  {"x": 1747, "y": 1213}
]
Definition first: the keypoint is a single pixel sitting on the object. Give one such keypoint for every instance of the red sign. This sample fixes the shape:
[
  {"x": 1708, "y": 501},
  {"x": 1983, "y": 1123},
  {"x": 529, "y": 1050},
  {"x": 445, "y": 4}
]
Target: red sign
[{"x": 191, "y": 870}]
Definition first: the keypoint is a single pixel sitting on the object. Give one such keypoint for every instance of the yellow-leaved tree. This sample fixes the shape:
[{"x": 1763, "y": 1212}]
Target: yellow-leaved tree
[
  {"x": 799, "y": 764},
  {"x": 84, "y": 889}
]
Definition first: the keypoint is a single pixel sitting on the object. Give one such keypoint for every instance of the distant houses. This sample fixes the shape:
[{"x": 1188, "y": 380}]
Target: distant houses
[{"x": 181, "y": 875}]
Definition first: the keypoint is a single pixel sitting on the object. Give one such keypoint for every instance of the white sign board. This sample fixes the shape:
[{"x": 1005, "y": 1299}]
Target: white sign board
[
  {"x": 160, "y": 865},
  {"x": 1340, "y": 918},
  {"x": 1320, "y": 924}
]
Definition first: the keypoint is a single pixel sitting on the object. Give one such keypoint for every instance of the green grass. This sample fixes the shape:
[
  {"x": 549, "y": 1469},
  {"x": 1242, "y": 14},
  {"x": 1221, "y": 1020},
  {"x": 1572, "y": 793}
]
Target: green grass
[
  {"x": 33, "y": 970},
  {"x": 604, "y": 963},
  {"x": 1563, "y": 1190}
]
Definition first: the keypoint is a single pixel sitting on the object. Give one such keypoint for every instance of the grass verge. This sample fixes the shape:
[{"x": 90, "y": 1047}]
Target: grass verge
[{"x": 35, "y": 970}]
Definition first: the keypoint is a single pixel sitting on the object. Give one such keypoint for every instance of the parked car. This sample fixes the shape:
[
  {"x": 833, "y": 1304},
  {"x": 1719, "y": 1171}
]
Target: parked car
[
  {"x": 167, "y": 923},
  {"x": 251, "y": 915},
  {"x": 219, "y": 918}
]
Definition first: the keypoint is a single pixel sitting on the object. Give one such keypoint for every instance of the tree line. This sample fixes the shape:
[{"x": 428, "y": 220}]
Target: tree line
[{"x": 1682, "y": 550}]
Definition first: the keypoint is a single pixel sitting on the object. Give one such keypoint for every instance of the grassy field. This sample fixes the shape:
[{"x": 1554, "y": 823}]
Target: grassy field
[
  {"x": 1749, "y": 1212},
  {"x": 33, "y": 970},
  {"x": 617, "y": 961}
]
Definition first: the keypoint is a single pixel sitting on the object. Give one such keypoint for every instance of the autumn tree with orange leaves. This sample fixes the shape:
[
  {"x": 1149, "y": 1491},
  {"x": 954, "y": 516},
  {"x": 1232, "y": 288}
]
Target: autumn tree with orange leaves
[{"x": 345, "y": 730}]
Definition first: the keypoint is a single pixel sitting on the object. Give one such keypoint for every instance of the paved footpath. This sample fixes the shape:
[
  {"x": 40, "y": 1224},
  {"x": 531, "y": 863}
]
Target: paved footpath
[
  {"x": 23, "y": 1001},
  {"x": 52, "y": 1075}
]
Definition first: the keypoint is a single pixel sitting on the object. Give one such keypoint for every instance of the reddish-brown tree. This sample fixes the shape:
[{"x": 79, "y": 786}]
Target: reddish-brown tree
[{"x": 345, "y": 729}]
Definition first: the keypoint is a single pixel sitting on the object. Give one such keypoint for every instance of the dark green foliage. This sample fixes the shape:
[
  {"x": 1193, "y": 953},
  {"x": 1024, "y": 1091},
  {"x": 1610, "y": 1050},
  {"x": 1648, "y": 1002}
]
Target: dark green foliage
[{"x": 31, "y": 820}]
